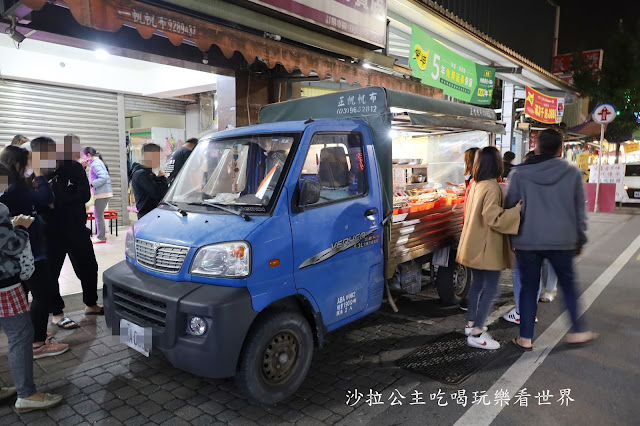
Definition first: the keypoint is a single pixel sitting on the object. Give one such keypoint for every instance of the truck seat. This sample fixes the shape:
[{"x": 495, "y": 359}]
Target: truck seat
[{"x": 333, "y": 170}]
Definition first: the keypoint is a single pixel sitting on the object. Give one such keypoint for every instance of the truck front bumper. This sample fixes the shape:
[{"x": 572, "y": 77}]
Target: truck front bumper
[{"x": 165, "y": 307}]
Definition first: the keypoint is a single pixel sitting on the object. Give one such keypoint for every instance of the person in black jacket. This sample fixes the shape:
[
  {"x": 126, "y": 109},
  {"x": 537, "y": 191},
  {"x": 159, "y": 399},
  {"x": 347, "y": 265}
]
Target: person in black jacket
[
  {"x": 67, "y": 233},
  {"x": 178, "y": 158},
  {"x": 22, "y": 198},
  {"x": 507, "y": 163},
  {"x": 148, "y": 189}
]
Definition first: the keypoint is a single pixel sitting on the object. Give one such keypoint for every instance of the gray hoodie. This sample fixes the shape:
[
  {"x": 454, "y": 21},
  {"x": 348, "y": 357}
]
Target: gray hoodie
[{"x": 554, "y": 206}]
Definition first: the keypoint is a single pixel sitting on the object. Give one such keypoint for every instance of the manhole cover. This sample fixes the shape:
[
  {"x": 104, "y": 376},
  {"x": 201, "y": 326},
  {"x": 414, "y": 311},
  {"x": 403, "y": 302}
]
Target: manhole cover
[{"x": 448, "y": 359}]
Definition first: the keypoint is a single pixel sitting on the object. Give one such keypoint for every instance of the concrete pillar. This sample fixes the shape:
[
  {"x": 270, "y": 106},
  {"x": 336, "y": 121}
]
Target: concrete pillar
[
  {"x": 192, "y": 120},
  {"x": 508, "y": 112},
  {"x": 241, "y": 97}
]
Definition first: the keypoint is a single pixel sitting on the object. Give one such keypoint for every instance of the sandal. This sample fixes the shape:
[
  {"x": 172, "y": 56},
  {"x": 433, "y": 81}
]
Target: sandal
[
  {"x": 66, "y": 323},
  {"x": 548, "y": 296},
  {"x": 519, "y": 346},
  {"x": 589, "y": 336},
  {"x": 100, "y": 312}
]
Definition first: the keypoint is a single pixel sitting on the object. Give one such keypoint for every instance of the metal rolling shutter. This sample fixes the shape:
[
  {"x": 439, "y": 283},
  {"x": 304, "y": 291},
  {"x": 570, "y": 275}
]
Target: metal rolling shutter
[
  {"x": 43, "y": 110},
  {"x": 167, "y": 106}
]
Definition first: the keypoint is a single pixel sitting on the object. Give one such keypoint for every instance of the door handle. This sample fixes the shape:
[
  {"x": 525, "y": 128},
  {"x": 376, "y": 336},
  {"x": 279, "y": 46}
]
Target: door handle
[{"x": 370, "y": 212}]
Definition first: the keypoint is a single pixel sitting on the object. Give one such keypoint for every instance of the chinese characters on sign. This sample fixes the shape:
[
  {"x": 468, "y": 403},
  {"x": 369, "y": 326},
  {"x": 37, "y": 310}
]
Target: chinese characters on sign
[
  {"x": 543, "y": 108},
  {"x": 561, "y": 63},
  {"x": 611, "y": 173},
  {"x": 361, "y": 19},
  {"x": 458, "y": 77},
  {"x": 158, "y": 22},
  {"x": 367, "y": 103},
  {"x": 460, "y": 397}
]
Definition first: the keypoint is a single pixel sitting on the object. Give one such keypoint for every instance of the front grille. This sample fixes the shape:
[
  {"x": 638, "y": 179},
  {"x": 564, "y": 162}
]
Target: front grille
[
  {"x": 160, "y": 257},
  {"x": 151, "y": 312}
]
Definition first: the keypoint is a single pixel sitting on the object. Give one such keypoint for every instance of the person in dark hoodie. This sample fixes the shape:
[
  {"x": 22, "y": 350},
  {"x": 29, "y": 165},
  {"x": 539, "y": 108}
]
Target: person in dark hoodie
[
  {"x": 21, "y": 198},
  {"x": 148, "y": 189},
  {"x": 67, "y": 233},
  {"x": 549, "y": 186},
  {"x": 178, "y": 158}
]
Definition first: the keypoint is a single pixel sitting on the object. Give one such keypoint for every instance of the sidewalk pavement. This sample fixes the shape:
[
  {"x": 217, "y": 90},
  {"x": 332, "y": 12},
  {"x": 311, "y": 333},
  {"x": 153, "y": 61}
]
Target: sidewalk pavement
[{"x": 106, "y": 383}]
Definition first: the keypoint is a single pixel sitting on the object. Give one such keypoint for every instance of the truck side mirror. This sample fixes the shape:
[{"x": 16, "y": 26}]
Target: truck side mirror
[{"x": 309, "y": 192}]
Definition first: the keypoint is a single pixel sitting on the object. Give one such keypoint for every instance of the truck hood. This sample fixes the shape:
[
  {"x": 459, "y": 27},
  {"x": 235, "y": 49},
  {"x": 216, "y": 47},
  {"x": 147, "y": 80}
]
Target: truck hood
[{"x": 195, "y": 229}]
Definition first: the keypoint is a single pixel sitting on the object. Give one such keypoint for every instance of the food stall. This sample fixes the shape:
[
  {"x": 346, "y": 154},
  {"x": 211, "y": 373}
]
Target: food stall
[{"x": 419, "y": 144}]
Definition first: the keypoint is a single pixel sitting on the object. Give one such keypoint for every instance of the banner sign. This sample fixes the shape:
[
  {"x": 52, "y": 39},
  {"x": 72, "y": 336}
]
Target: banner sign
[
  {"x": 440, "y": 67},
  {"x": 611, "y": 173},
  {"x": 543, "y": 108},
  {"x": 364, "y": 20}
]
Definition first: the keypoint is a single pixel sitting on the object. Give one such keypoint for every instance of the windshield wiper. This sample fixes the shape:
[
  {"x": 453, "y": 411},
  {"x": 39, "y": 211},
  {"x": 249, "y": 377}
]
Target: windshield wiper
[
  {"x": 224, "y": 209},
  {"x": 173, "y": 206}
]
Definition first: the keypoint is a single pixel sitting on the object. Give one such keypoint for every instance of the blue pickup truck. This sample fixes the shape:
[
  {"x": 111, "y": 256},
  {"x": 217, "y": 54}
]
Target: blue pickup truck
[{"x": 275, "y": 234}]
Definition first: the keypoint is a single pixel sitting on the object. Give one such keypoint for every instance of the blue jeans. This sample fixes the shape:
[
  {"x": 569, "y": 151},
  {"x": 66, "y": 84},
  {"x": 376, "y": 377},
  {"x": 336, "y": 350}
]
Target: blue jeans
[
  {"x": 19, "y": 332},
  {"x": 484, "y": 287},
  {"x": 549, "y": 277},
  {"x": 529, "y": 264},
  {"x": 549, "y": 280}
]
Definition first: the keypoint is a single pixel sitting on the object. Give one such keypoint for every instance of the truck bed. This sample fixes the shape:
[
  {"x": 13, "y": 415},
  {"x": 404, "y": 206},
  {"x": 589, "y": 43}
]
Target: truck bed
[{"x": 421, "y": 233}]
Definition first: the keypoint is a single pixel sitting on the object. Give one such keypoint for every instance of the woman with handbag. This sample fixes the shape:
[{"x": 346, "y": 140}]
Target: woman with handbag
[
  {"x": 22, "y": 198},
  {"x": 16, "y": 265}
]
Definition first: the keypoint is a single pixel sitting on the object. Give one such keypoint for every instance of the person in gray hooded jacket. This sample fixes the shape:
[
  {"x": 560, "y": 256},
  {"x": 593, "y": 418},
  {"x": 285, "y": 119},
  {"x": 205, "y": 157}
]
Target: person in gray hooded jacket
[{"x": 553, "y": 227}]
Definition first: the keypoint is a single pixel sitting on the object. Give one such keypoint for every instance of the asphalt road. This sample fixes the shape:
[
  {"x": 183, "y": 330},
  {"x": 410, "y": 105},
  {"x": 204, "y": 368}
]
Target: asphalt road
[{"x": 603, "y": 378}]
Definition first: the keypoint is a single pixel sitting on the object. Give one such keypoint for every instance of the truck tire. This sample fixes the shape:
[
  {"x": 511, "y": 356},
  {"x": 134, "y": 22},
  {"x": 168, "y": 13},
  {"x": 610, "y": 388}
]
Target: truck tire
[
  {"x": 453, "y": 283},
  {"x": 276, "y": 357}
]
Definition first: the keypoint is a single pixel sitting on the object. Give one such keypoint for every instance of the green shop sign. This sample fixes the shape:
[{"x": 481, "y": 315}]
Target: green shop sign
[{"x": 439, "y": 67}]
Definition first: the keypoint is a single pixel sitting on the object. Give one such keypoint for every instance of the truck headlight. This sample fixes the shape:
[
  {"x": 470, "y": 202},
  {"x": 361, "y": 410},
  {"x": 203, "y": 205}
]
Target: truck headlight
[
  {"x": 130, "y": 245},
  {"x": 197, "y": 326},
  {"x": 232, "y": 260}
]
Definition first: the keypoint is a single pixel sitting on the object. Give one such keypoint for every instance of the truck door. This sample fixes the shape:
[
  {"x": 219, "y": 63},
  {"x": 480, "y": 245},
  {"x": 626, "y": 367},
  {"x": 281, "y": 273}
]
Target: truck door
[{"x": 337, "y": 240}]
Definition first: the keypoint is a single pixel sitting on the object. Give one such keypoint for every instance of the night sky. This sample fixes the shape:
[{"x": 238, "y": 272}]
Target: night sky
[{"x": 586, "y": 24}]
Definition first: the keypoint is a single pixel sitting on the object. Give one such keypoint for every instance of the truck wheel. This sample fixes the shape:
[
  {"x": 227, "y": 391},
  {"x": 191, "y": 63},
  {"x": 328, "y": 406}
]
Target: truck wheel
[
  {"x": 453, "y": 282},
  {"x": 276, "y": 358}
]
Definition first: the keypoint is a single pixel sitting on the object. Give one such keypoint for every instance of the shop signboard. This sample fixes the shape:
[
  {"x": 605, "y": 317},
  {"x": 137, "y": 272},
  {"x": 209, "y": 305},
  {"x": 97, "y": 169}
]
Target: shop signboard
[
  {"x": 543, "y": 108},
  {"x": 561, "y": 63},
  {"x": 440, "y": 67},
  {"x": 611, "y": 173},
  {"x": 582, "y": 161},
  {"x": 364, "y": 20}
]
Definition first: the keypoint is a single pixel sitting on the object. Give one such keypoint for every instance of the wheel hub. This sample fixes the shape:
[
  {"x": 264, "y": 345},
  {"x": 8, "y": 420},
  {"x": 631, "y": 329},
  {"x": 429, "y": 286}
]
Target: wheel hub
[
  {"x": 459, "y": 280},
  {"x": 280, "y": 357}
]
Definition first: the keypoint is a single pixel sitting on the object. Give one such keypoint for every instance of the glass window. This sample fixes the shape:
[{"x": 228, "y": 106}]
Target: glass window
[
  {"x": 337, "y": 162},
  {"x": 632, "y": 170},
  {"x": 242, "y": 173}
]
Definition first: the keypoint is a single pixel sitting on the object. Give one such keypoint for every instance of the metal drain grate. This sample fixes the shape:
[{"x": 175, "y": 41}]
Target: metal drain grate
[{"x": 448, "y": 359}]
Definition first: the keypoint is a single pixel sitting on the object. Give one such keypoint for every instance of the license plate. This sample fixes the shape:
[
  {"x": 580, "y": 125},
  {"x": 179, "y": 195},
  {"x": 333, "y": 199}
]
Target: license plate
[
  {"x": 636, "y": 194},
  {"x": 136, "y": 337}
]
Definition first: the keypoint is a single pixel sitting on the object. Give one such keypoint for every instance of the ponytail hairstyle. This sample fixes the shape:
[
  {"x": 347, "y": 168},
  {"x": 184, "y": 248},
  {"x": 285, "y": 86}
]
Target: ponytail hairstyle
[{"x": 92, "y": 152}]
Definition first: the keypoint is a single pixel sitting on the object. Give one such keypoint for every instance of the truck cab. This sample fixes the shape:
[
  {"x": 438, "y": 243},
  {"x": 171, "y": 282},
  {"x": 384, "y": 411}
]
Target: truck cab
[{"x": 269, "y": 237}]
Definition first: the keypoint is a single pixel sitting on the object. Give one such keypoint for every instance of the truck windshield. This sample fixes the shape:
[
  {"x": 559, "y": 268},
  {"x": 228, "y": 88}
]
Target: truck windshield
[{"x": 244, "y": 173}]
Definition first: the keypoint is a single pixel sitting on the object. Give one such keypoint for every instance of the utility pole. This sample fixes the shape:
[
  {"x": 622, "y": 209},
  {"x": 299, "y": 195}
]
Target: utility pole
[{"x": 556, "y": 29}]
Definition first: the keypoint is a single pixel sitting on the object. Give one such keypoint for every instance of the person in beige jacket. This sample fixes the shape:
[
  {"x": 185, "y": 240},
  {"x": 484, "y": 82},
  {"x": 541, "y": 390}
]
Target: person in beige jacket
[{"x": 484, "y": 246}]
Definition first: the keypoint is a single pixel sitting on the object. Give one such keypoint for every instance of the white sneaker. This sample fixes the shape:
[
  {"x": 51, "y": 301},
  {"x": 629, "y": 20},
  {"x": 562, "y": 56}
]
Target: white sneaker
[
  {"x": 49, "y": 400},
  {"x": 513, "y": 316},
  {"x": 484, "y": 341},
  {"x": 467, "y": 329}
]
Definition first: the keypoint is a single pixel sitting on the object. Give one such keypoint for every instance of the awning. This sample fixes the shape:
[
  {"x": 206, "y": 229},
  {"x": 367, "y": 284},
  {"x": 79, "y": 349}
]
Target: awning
[
  {"x": 111, "y": 15},
  {"x": 588, "y": 128}
]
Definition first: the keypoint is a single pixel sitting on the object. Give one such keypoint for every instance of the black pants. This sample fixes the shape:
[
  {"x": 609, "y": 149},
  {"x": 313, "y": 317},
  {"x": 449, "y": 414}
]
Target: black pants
[
  {"x": 77, "y": 244},
  {"x": 43, "y": 291}
]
